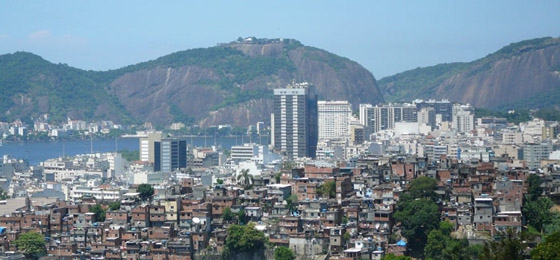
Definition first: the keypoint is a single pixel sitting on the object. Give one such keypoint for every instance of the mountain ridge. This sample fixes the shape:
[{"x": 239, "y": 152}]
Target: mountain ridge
[
  {"x": 226, "y": 84},
  {"x": 518, "y": 75}
]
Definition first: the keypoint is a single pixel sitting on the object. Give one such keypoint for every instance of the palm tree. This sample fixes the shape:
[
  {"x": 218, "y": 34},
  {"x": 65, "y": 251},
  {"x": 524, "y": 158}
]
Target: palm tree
[{"x": 245, "y": 178}]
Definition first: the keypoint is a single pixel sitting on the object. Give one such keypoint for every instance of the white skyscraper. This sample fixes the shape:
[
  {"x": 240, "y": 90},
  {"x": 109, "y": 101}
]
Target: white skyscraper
[{"x": 334, "y": 119}]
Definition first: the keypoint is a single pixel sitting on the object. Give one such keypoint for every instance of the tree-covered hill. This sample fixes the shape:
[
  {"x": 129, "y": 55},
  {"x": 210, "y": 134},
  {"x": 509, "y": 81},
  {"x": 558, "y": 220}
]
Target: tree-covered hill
[{"x": 521, "y": 75}]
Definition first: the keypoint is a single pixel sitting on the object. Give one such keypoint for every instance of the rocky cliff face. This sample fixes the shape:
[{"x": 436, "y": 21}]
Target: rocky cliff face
[
  {"x": 523, "y": 74},
  {"x": 157, "y": 93}
]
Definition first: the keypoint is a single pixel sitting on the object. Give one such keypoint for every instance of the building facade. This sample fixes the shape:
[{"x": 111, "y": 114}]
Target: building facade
[
  {"x": 295, "y": 120},
  {"x": 170, "y": 155},
  {"x": 334, "y": 119}
]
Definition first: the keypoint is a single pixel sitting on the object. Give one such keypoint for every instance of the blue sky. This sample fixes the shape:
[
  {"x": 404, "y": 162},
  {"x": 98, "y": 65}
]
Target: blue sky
[{"x": 386, "y": 37}]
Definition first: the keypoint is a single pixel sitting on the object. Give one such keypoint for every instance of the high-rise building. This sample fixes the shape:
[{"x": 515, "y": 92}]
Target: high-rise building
[
  {"x": 170, "y": 155},
  {"x": 384, "y": 117},
  {"x": 147, "y": 147},
  {"x": 444, "y": 108},
  {"x": 334, "y": 119},
  {"x": 295, "y": 123}
]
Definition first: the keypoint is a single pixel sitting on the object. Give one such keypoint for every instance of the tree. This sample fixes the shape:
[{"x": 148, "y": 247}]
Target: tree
[
  {"x": 549, "y": 249},
  {"x": 537, "y": 212},
  {"x": 227, "y": 215},
  {"x": 423, "y": 187},
  {"x": 99, "y": 212},
  {"x": 534, "y": 190},
  {"x": 241, "y": 217},
  {"x": 394, "y": 257},
  {"x": 145, "y": 190},
  {"x": 31, "y": 244},
  {"x": 509, "y": 247},
  {"x": 115, "y": 205},
  {"x": 3, "y": 194},
  {"x": 243, "y": 239},
  {"x": 418, "y": 217},
  {"x": 284, "y": 253},
  {"x": 291, "y": 202},
  {"x": 220, "y": 181},
  {"x": 327, "y": 189},
  {"x": 246, "y": 179},
  {"x": 277, "y": 177}
]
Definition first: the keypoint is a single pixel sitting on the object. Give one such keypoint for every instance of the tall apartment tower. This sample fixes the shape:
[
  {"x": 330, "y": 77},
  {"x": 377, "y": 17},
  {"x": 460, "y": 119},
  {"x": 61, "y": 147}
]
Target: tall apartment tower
[
  {"x": 295, "y": 121},
  {"x": 170, "y": 155},
  {"x": 334, "y": 119}
]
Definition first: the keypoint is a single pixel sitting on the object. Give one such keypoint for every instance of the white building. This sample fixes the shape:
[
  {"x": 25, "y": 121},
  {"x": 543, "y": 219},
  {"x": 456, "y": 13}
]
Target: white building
[
  {"x": 463, "y": 118},
  {"x": 334, "y": 119}
]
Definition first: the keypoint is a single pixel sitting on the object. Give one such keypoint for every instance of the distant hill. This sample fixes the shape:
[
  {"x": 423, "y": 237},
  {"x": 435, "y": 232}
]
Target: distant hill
[
  {"x": 227, "y": 84},
  {"x": 521, "y": 75}
]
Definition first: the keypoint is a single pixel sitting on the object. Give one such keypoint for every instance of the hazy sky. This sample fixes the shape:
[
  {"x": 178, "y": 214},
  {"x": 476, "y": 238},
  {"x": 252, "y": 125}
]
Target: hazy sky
[{"x": 386, "y": 37}]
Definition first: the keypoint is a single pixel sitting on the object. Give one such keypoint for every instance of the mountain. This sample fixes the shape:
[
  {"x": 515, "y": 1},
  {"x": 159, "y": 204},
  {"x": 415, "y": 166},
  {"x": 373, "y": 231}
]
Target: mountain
[
  {"x": 227, "y": 84},
  {"x": 521, "y": 75}
]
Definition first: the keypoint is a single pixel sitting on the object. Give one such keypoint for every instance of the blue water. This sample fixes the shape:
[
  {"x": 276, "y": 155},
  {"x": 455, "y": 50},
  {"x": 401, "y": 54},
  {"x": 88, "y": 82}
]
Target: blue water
[{"x": 36, "y": 152}]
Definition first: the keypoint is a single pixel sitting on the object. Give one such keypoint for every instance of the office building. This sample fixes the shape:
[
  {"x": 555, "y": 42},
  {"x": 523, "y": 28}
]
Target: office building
[
  {"x": 443, "y": 108},
  {"x": 147, "y": 147},
  {"x": 334, "y": 119},
  {"x": 384, "y": 117},
  {"x": 170, "y": 155},
  {"x": 295, "y": 122}
]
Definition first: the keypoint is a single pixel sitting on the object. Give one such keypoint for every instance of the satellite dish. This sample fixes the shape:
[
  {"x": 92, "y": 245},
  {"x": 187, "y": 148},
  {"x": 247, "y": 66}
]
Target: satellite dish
[{"x": 196, "y": 220}]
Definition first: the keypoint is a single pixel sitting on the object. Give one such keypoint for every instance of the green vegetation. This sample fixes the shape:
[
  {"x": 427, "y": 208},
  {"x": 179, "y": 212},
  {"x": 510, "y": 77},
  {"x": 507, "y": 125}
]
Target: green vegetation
[
  {"x": 99, "y": 211},
  {"x": 245, "y": 179},
  {"x": 509, "y": 247},
  {"x": 327, "y": 189},
  {"x": 417, "y": 83},
  {"x": 243, "y": 239},
  {"x": 130, "y": 156},
  {"x": 536, "y": 208},
  {"x": 549, "y": 249},
  {"x": 291, "y": 202},
  {"x": 146, "y": 191},
  {"x": 441, "y": 246},
  {"x": 31, "y": 244},
  {"x": 115, "y": 205},
  {"x": 393, "y": 257},
  {"x": 418, "y": 213},
  {"x": 3, "y": 194},
  {"x": 227, "y": 215},
  {"x": 284, "y": 253},
  {"x": 241, "y": 217},
  {"x": 514, "y": 117},
  {"x": 31, "y": 86}
]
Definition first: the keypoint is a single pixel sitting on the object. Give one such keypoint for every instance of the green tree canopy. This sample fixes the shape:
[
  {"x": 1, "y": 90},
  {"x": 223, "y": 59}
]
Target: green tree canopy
[
  {"x": 418, "y": 217},
  {"x": 227, "y": 215},
  {"x": 243, "y": 239},
  {"x": 549, "y": 249},
  {"x": 534, "y": 190},
  {"x": 241, "y": 217},
  {"x": 99, "y": 211},
  {"x": 509, "y": 247},
  {"x": 423, "y": 187},
  {"x": 537, "y": 213},
  {"x": 31, "y": 244},
  {"x": 115, "y": 205},
  {"x": 145, "y": 190},
  {"x": 327, "y": 189},
  {"x": 284, "y": 253},
  {"x": 394, "y": 257}
]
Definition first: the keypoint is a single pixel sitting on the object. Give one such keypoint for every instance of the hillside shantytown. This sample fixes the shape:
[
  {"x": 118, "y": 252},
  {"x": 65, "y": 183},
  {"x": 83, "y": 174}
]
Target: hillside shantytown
[{"x": 424, "y": 179}]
